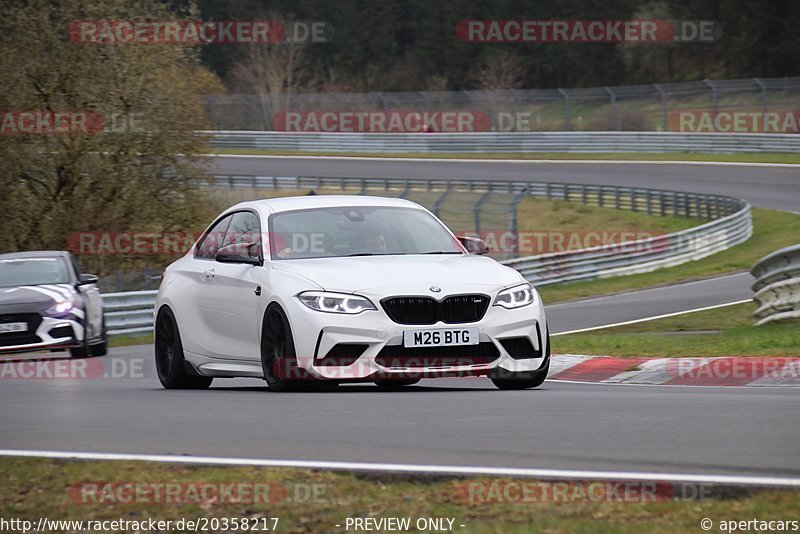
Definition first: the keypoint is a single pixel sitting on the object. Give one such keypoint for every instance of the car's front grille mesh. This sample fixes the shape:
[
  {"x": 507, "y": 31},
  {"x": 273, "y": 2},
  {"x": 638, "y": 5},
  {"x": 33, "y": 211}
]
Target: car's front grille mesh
[
  {"x": 9, "y": 339},
  {"x": 426, "y": 310},
  {"x": 343, "y": 354}
]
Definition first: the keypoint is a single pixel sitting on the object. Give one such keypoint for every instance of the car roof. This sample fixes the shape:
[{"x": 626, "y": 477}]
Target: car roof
[
  {"x": 276, "y": 205},
  {"x": 34, "y": 254}
]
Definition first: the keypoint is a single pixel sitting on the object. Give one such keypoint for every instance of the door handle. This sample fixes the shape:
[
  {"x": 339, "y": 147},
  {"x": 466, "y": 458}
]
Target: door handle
[{"x": 208, "y": 274}]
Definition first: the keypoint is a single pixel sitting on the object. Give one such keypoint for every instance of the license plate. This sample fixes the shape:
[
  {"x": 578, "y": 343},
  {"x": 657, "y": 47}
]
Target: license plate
[
  {"x": 13, "y": 327},
  {"x": 444, "y": 337}
]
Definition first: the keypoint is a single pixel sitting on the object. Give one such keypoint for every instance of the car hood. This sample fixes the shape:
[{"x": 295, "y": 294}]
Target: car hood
[
  {"x": 27, "y": 299},
  {"x": 414, "y": 274}
]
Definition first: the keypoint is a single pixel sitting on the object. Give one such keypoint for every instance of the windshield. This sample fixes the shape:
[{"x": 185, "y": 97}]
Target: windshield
[
  {"x": 33, "y": 272},
  {"x": 358, "y": 231}
]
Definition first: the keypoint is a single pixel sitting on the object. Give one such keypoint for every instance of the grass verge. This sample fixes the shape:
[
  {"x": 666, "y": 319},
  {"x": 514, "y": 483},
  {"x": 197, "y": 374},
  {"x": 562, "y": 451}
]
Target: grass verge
[
  {"x": 126, "y": 340},
  {"x": 772, "y": 157},
  {"x": 317, "y": 501},
  {"x": 727, "y": 331},
  {"x": 771, "y": 230}
]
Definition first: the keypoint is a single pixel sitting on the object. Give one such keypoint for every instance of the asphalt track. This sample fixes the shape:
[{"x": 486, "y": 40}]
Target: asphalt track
[{"x": 466, "y": 422}]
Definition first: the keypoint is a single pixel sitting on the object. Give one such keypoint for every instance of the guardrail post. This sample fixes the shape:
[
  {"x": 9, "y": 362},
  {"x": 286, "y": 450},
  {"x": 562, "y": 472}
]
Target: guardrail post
[
  {"x": 477, "y": 209},
  {"x": 513, "y": 222},
  {"x": 567, "y": 108},
  {"x": 406, "y": 190},
  {"x": 664, "y": 105},
  {"x": 764, "y": 95},
  {"x": 714, "y": 96},
  {"x": 439, "y": 201},
  {"x": 616, "y": 124}
]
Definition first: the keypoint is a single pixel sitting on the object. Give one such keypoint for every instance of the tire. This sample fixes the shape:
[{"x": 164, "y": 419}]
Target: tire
[
  {"x": 83, "y": 350},
  {"x": 525, "y": 379},
  {"x": 278, "y": 356},
  {"x": 393, "y": 385},
  {"x": 101, "y": 347},
  {"x": 170, "y": 365}
]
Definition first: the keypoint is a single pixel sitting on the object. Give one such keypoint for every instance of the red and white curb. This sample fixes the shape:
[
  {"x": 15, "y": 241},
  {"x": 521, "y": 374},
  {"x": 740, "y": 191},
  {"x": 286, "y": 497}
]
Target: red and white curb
[{"x": 722, "y": 371}]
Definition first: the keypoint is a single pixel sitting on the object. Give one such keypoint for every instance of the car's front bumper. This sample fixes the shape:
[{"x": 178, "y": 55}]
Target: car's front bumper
[
  {"x": 317, "y": 333},
  {"x": 51, "y": 333}
]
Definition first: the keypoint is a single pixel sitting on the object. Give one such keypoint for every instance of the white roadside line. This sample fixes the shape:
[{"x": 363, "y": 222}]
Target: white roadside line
[
  {"x": 653, "y": 318},
  {"x": 560, "y": 474},
  {"x": 522, "y": 161}
]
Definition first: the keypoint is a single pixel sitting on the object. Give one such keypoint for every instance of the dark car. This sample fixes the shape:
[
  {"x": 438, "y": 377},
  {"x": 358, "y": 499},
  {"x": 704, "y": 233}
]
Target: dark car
[{"x": 47, "y": 303}]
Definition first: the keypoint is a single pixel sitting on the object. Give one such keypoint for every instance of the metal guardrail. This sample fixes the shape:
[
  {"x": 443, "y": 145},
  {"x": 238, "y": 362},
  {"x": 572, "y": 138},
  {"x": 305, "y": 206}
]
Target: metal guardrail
[
  {"x": 506, "y": 142},
  {"x": 777, "y": 285},
  {"x": 729, "y": 224},
  {"x": 130, "y": 312}
]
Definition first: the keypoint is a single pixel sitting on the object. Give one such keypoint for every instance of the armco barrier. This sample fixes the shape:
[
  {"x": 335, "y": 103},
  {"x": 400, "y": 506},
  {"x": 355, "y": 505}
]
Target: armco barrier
[
  {"x": 506, "y": 142},
  {"x": 730, "y": 224},
  {"x": 777, "y": 285},
  {"x": 129, "y": 313}
]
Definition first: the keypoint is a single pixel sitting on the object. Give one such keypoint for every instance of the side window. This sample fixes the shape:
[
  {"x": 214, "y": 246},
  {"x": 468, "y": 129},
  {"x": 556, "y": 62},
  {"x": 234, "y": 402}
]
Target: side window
[
  {"x": 207, "y": 248},
  {"x": 244, "y": 229}
]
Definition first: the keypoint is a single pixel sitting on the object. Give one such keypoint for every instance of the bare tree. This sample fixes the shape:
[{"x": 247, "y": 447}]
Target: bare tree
[
  {"x": 139, "y": 170},
  {"x": 501, "y": 70},
  {"x": 273, "y": 72}
]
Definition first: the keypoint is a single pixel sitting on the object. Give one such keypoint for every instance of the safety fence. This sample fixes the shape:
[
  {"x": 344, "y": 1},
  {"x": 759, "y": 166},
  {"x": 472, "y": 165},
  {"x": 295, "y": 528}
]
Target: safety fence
[
  {"x": 505, "y": 142},
  {"x": 473, "y": 206},
  {"x": 777, "y": 285},
  {"x": 651, "y": 107}
]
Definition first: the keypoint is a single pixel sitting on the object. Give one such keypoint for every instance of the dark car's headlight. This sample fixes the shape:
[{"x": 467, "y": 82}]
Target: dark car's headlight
[
  {"x": 62, "y": 307},
  {"x": 515, "y": 297},
  {"x": 325, "y": 301}
]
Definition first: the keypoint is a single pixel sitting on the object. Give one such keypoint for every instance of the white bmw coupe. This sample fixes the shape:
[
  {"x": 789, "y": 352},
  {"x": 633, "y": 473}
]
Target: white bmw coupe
[{"x": 321, "y": 290}]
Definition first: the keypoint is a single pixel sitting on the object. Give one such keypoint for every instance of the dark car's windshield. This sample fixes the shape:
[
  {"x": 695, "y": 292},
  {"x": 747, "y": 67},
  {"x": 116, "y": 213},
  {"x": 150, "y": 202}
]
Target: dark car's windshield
[
  {"x": 33, "y": 271},
  {"x": 357, "y": 231}
]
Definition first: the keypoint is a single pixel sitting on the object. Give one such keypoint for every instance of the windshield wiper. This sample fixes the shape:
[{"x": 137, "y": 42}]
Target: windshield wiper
[
  {"x": 376, "y": 254},
  {"x": 442, "y": 252}
]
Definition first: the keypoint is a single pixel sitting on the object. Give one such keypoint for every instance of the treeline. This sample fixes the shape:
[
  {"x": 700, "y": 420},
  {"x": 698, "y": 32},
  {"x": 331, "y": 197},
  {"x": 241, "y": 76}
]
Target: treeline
[{"x": 410, "y": 45}]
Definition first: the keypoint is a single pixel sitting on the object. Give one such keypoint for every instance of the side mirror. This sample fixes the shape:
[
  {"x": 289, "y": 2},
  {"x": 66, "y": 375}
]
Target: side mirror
[
  {"x": 87, "y": 279},
  {"x": 474, "y": 245},
  {"x": 247, "y": 253}
]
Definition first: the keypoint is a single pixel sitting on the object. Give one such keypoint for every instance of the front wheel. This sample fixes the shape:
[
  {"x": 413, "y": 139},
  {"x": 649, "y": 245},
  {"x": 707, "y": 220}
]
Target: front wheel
[
  {"x": 278, "y": 357},
  {"x": 101, "y": 347},
  {"x": 170, "y": 365}
]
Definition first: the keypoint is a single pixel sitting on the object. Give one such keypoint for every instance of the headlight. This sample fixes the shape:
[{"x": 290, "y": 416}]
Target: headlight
[
  {"x": 62, "y": 307},
  {"x": 515, "y": 297},
  {"x": 335, "y": 302}
]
